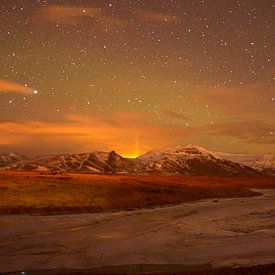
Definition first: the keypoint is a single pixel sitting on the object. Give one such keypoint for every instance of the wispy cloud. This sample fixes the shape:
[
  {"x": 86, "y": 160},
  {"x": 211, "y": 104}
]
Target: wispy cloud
[
  {"x": 121, "y": 131},
  {"x": 8, "y": 86},
  {"x": 67, "y": 15},
  {"x": 71, "y": 15},
  {"x": 254, "y": 132},
  {"x": 80, "y": 133},
  {"x": 238, "y": 100}
]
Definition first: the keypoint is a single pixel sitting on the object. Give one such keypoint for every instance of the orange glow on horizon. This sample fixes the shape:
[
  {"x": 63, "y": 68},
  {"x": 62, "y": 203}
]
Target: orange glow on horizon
[
  {"x": 130, "y": 156},
  {"x": 136, "y": 153}
]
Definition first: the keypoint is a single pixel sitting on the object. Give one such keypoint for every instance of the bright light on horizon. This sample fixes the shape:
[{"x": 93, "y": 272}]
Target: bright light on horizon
[{"x": 130, "y": 156}]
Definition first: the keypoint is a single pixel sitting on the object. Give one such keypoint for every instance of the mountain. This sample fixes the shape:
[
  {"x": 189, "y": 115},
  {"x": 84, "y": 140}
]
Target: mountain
[
  {"x": 263, "y": 163},
  {"x": 95, "y": 162},
  {"x": 6, "y": 159},
  {"x": 190, "y": 160}
]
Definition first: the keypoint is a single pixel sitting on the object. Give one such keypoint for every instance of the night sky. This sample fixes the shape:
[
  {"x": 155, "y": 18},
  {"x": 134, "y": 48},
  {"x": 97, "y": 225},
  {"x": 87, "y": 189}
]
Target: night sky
[{"x": 78, "y": 76}]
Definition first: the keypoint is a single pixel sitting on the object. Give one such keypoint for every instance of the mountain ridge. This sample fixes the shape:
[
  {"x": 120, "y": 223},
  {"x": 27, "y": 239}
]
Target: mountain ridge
[{"x": 190, "y": 160}]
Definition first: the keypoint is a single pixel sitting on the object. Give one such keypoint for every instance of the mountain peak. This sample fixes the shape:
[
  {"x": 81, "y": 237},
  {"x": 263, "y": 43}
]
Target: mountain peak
[
  {"x": 191, "y": 149},
  {"x": 149, "y": 155},
  {"x": 193, "y": 146},
  {"x": 114, "y": 156}
]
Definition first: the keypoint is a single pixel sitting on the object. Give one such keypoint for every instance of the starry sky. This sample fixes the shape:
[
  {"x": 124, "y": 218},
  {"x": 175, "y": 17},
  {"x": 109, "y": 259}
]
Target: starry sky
[{"x": 137, "y": 75}]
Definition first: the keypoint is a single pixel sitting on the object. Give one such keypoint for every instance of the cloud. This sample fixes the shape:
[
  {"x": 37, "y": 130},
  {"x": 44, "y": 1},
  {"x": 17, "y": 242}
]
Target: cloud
[
  {"x": 84, "y": 134},
  {"x": 238, "y": 100},
  {"x": 68, "y": 15},
  {"x": 253, "y": 132},
  {"x": 8, "y": 86},
  {"x": 130, "y": 133}
]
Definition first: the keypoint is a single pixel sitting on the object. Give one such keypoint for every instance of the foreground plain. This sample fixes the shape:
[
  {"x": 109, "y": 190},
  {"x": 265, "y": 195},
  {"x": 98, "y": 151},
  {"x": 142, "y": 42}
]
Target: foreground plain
[
  {"x": 38, "y": 193},
  {"x": 203, "y": 222},
  {"x": 209, "y": 233}
]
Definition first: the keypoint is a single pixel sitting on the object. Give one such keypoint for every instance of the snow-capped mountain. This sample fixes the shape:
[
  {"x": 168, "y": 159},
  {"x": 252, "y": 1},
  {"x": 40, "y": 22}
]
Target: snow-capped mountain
[
  {"x": 95, "y": 162},
  {"x": 6, "y": 159},
  {"x": 189, "y": 160},
  {"x": 263, "y": 163}
]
